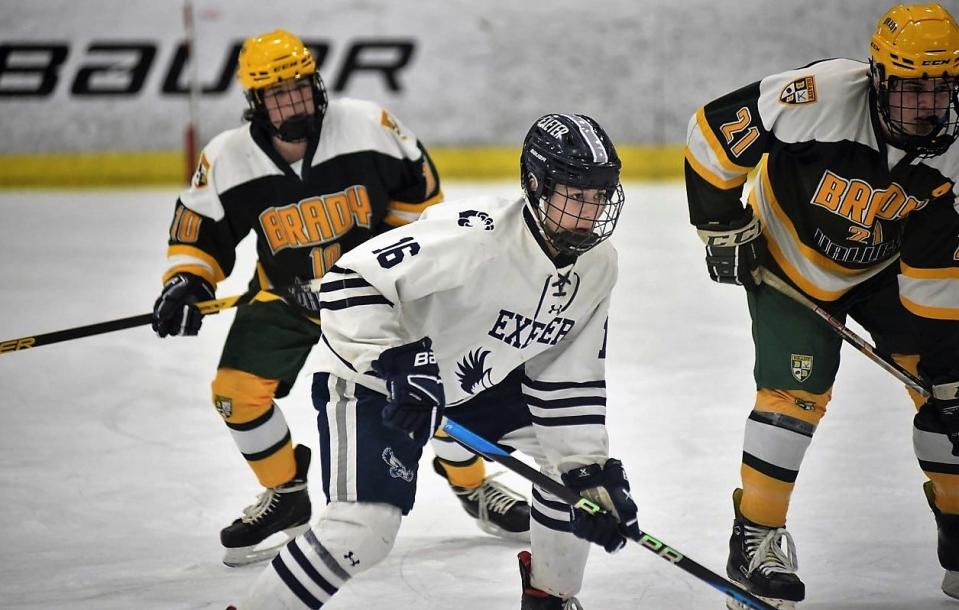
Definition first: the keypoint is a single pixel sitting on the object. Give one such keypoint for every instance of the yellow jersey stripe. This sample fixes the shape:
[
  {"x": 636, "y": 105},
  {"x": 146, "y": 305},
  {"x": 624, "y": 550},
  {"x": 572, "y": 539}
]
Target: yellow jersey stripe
[
  {"x": 715, "y": 146},
  {"x": 950, "y": 273},
  {"x": 181, "y": 255},
  {"x": 930, "y": 298},
  {"x": 709, "y": 176}
]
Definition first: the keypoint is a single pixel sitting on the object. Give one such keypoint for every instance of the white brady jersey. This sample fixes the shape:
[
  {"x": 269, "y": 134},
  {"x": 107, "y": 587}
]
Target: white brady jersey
[{"x": 471, "y": 276}]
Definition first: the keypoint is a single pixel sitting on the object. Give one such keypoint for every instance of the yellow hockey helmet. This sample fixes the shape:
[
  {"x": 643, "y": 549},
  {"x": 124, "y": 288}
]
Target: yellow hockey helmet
[
  {"x": 911, "y": 42},
  {"x": 271, "y": 58}
]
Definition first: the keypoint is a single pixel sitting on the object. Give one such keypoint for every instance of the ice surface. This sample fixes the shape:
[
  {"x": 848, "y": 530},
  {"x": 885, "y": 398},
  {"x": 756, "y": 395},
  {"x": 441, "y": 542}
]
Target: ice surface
[{"x": 117, "y": 473}]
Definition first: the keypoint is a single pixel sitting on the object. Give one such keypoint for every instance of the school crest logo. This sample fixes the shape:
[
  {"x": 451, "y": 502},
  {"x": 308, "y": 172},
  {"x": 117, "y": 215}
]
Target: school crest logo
[
  {"x": 801, "y": 366},
  {"x": 472, "y": 372},
  {"x": 223, "y": 405},
  {"x": 389, "y": 122},
  {"x": 397, "y": 469},
  {"x": 201, "y": 176},
  {"x": 473, "y": 218},
  {"x": 800, "y": 91}
]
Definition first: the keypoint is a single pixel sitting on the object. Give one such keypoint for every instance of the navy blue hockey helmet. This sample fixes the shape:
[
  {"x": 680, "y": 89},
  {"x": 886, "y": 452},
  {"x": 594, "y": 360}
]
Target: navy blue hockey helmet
[{"x": 569, "y": 171}]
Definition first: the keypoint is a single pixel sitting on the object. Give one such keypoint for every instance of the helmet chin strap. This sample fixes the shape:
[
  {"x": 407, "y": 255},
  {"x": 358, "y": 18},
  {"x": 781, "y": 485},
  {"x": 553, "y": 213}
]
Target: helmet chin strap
[{"x": 296, "y": 129}]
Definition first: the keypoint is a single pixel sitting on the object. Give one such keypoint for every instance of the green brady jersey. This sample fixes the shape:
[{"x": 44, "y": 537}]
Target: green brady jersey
[
  {"x": 837, "y": 204},
  {"x": 367, "y": 173}
]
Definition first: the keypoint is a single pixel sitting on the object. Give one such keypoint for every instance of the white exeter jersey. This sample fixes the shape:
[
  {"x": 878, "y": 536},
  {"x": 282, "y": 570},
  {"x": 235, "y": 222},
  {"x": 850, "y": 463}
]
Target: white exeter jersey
[{"x": 471, "y": 276}]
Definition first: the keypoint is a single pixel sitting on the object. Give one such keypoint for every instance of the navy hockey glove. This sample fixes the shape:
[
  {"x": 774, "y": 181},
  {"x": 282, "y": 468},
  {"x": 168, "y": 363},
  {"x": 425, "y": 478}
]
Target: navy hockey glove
[
  {"x": 607, "y": 486},
  {"x": 415, "y": 397},
  {"x": 944, "y": 406},
  {"x": 175, "y": 312},
  {"x": 734, "y": 250}
]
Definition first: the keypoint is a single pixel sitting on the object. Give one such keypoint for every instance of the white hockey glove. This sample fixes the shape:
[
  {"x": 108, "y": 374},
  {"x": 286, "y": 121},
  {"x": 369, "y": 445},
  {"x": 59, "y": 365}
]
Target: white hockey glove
[
  {"x": 734, "y": 250},
  {"x": 607, "y": 486}
]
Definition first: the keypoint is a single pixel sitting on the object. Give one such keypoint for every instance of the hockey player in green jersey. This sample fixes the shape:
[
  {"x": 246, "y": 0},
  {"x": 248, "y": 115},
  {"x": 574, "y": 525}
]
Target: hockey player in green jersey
[
  {"x": 312, "y": 178},
  {"x": 854, "y": 204}
]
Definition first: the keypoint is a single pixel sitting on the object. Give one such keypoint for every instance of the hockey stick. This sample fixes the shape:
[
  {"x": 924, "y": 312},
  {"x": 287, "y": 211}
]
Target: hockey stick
[
  {"x": 206, "y": 307},
  {"x": 487, "y": 449},
  {"x": 900, "y": 373}
]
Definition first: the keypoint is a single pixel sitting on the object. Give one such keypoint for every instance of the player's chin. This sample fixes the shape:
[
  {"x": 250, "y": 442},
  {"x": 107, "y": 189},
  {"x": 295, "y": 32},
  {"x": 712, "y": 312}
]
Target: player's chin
[
  {"x": 924, "y": 126},
  {"x": 580, "y": 238}
]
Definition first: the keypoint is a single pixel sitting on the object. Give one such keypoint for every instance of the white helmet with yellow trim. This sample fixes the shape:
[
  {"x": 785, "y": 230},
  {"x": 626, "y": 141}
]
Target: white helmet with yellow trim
[{"x": 270, "y": 68}]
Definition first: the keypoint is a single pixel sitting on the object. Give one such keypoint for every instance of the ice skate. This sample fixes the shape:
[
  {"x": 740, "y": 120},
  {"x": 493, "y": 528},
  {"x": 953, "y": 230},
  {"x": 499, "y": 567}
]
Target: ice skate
[
  {"x": 284, "y": 509},
  {"x": 948, "y": 543},
  {"x": 533, "y": 598},
  {"x": 762, "y": 561},
  {"x": 498, "y": 510}
]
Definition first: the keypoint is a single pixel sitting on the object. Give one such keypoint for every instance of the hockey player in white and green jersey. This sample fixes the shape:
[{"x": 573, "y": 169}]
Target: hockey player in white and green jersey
[
  {"x": 494, "y": 311},
  {"x": 855, "y": 205}
]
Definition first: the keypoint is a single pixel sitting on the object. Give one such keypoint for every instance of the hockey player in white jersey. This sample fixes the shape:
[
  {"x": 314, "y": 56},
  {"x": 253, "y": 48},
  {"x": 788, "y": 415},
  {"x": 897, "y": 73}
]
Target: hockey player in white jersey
[
  {"x": 310, "y": 178},
  {"x": 494, "y": 312}
]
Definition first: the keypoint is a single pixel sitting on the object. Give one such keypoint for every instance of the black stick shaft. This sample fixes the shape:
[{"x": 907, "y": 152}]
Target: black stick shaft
[
  {"x": 492, "y": 451},
  {"x": 206, "y": 307}
]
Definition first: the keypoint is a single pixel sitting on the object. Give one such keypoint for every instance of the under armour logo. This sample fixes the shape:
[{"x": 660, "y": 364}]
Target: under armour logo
[
  {"x": 555, "y": 308},
  {"x": 584, "y": 472},
  {"x": 353, "y": 562}
]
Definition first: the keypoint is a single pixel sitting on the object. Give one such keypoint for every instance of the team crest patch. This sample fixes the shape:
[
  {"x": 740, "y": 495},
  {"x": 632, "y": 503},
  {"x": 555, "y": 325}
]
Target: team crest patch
[
  {"x": 397, "y": 469},
  {"x": 202, "y": 174},
  {"x": 387, "y": 121},
  {"x": 801, "y": 366},
  {"x": 801, "y": 91},
  {"x": 223, "y": 405},
  {"x": 473, "y": 218}
]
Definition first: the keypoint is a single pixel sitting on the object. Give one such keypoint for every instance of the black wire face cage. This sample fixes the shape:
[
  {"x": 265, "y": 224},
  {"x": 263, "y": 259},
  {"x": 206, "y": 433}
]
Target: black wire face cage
[
  {"x": 925, "y": 121},
  {"x": 298, "y": 119},
  {"x": 576, "y": 219}
]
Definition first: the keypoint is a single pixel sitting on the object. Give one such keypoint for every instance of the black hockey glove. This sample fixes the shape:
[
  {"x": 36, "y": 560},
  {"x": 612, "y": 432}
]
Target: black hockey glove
[
  {"x": 607, "y": 486},
  {"x": 175, "y": 313},
  {"x": 734, "y": 250},
  {"x": 944, "y": 406},
  {"x": 415, "y": 398}
]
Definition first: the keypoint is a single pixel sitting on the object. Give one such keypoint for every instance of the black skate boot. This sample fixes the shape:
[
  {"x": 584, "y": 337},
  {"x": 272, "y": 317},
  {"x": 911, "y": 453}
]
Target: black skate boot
[
  {"x": 498, "y": 510},
  {"x": 285, "y": 508},
  {"x": 758, "y": 563},
  {"x": 533, "y": 598},
  {"x": 948, "y": 545}
]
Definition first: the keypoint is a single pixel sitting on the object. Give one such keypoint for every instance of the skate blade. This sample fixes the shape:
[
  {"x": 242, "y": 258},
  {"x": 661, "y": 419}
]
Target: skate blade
[
  {"x": 240, "y": 556},
  {"x": 494, "y": 530},
  {"x": 782, "y": 604},
  {"x": 950, "y": 584}
]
